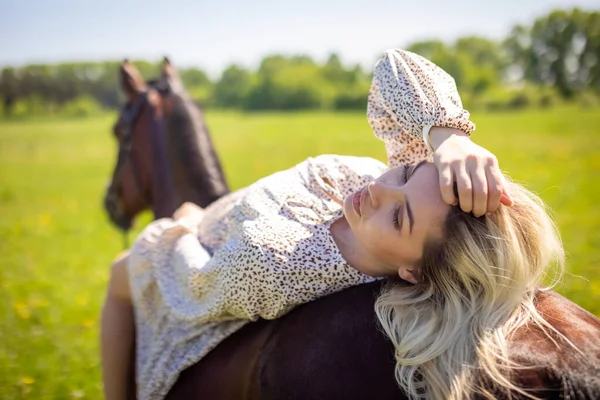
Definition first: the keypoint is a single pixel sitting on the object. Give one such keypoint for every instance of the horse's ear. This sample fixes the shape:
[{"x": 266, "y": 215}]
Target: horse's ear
[
  {"x": 132, "y": 82},
  {"x": 171, "y": 76},
  {"x": 168, "y": 71}
]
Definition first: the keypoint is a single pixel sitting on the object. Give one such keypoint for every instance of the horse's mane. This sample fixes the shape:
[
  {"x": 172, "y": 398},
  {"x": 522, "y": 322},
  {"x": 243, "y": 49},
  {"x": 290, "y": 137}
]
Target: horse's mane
[{"x": 194, "y": 162}]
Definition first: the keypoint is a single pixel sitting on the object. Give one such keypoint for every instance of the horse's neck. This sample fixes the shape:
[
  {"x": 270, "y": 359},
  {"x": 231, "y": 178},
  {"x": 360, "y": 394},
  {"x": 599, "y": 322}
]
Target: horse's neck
[
  {"x": 196, "y": 170},
  {"x": 164, "y": 202}
]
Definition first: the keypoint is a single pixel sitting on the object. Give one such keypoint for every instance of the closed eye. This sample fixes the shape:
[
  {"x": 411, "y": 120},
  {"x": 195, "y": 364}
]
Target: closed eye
[
  {"x": 406, "y": 175},
  {"x": 395, "y": 213}
]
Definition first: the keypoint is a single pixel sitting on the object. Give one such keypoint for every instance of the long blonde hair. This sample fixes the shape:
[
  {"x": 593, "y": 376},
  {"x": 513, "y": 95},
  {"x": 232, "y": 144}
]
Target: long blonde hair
[{"x": 478, "y": 286}]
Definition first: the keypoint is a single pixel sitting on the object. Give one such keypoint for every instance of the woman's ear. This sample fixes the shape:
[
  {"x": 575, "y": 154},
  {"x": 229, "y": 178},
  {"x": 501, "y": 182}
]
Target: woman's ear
[{"x": 409, "y": 275}]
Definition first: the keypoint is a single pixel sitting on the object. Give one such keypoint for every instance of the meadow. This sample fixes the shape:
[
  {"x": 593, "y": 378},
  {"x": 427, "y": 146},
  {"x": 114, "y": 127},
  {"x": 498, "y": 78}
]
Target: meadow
[{"x": 56, "y": 243}]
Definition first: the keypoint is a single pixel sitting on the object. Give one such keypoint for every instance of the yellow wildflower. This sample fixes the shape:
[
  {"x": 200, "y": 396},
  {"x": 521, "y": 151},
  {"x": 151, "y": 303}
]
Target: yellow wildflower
[
  {"x": 88, "y": 323},
  {"x": 27, "y": 380},
  {"x": 22, "y": 309}
]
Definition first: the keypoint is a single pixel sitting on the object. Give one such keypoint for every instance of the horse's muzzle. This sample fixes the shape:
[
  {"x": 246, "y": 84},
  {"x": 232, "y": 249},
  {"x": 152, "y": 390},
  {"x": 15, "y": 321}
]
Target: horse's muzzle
[{"x": 112, "y": 205}]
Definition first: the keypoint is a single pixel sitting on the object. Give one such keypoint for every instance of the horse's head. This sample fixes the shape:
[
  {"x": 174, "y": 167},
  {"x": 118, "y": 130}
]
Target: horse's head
[{"x": 140, "y": 179}]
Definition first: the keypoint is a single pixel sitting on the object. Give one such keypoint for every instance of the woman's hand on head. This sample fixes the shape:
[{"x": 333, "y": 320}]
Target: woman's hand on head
[{"x": 480, "y": 185}]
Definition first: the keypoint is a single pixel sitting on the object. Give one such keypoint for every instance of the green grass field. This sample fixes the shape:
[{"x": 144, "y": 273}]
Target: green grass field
[{"x": 56, "y": 244}]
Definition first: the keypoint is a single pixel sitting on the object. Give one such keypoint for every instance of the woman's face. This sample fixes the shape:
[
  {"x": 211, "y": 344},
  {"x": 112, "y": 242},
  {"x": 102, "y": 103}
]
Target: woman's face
[{"x": 394, "y": 216}]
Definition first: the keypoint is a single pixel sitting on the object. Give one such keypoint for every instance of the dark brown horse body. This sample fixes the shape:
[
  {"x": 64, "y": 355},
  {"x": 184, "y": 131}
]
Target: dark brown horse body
[{"x": 330, "y": 348}]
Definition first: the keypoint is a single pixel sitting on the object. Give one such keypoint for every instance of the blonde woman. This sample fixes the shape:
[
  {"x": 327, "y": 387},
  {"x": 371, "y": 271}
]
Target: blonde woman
[{"x": 332, "y": 222}]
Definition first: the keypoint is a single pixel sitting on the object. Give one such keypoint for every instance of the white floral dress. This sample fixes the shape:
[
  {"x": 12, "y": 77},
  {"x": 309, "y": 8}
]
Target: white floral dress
[{"x": 267, "y": 248}]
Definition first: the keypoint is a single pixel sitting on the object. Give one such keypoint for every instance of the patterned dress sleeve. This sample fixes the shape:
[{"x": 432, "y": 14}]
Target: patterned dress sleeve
[
  {"x": 409, "y": 92},
  {"x": 215, "y": 227},
  {"x": 238, "y": 284},
  {"x": 171, "y": 270}
]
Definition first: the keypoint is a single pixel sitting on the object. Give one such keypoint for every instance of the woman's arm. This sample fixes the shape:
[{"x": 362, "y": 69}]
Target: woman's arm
[{"x": 410, "y": 95}]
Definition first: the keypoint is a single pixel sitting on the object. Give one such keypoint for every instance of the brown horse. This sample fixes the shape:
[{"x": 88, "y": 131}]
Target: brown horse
[
  {"x": 331, "y": 348},
  {"x": 166, "y": 156}
]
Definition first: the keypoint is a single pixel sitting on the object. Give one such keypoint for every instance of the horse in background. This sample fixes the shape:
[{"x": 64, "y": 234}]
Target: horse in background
[
  {"x": 331, "y": 348},
  {"x": 166, "y": 156}
]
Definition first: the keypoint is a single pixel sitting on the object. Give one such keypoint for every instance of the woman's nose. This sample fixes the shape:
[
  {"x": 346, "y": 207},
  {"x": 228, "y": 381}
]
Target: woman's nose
[{"x": 378, "y": 192}]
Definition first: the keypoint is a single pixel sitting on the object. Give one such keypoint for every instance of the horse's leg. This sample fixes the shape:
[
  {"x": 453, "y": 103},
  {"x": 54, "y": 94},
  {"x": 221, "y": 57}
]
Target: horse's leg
[{"x": 117, "y": 335}]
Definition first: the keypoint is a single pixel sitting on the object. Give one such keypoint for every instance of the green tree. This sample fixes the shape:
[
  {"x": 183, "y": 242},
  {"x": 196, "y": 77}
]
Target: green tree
[
  {"x": 194, "y": 77},
  {"x": 589, "y": 60},
  {"x": 483, "y": 63},
  {"x": 9, "y": 89},
  {"x": 335, "y": 73},
  {"x": 444, "y": 56},
  {"x": 561, "y": 49},
  {"x": 233, "y": 87},
  {"x": 288, "y": 83}
]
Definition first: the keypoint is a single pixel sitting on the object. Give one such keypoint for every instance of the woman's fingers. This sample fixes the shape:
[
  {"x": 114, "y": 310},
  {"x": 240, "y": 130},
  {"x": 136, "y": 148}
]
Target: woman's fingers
[
  {"x": 505, "y": 198},
  {"x": 495, "y": 184},
  {"x": 480, "y": 186},
  {"x": 480, "y": 191},
  {"x": 464, "y": 187},
  {"x": 447, "y": 185}
]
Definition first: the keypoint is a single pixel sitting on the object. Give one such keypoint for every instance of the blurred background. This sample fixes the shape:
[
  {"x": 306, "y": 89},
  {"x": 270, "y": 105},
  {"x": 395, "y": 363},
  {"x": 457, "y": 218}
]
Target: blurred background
[{"x": 278, "y": 82}]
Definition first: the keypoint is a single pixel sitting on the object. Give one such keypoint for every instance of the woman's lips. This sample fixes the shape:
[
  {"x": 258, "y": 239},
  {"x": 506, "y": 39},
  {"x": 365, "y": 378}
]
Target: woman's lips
[{"x": 356, "y": 201}]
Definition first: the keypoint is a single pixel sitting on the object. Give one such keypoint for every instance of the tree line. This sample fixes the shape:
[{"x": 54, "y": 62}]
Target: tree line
[{"x": 557, "y": 58}]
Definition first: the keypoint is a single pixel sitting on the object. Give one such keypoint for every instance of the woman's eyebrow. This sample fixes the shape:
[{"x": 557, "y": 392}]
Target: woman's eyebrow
[{"x": 411, "y": 218}]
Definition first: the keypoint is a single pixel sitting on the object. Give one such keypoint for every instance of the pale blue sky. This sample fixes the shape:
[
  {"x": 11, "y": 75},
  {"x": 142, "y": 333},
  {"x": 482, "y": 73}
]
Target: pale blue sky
[{"x": 212, "y": 35}]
